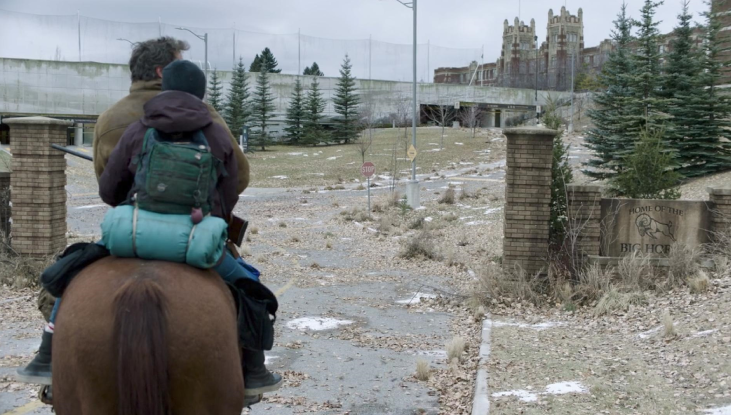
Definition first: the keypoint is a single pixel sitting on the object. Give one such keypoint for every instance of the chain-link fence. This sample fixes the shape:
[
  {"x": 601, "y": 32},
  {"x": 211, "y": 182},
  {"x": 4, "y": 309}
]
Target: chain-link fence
[{"x": 81, "y": 38}]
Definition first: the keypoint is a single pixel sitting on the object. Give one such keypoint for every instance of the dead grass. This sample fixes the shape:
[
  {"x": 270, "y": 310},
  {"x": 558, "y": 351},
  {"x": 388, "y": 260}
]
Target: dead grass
[
  {"x": 683, "y": 264},
  {"x": 423, "y": 371},
  {"x": 614, "y": 301},
  {"x": 328, "y": 245},
  {"x": 507, "y": 285},
  {"x": 668, "y": 325},
  {"x": 594, "y": 282},
  {"x": 282, "y": 225},
  {"x": 455, "y": 348},
  {"x": 420, "y": 245},
  {"x": 448, "y": 197},
  {"x": 19, "y": 271},
  {"x": 295, "y": 240},
  {"x": 699, "y": 283}
]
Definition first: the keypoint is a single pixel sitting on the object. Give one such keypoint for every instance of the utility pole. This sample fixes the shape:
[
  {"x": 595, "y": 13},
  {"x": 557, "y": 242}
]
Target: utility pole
[
  {"x": 413, "y": 187},
  {"x": 204, "y": 38},
  {"x": 537, "y": 113},
  {"x": 299, "y": 51}
]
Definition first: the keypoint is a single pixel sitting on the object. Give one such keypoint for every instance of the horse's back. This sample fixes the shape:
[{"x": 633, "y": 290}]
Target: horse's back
[{"x": 201, "y": 339}]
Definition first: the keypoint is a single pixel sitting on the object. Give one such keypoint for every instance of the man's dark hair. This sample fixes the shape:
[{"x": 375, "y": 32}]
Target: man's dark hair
[{"x": 148, "y": 55}]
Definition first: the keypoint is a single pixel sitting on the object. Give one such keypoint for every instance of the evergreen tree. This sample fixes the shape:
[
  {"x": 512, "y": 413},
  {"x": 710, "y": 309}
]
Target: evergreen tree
[
  {"x": 705, "y": 151},
  {"x": 313, "y": 70},
  {"x": 236, "y": 111},
  {"x": 646, "y": 78},
  {"x": 215, "y": 92},
  {"x": 561, "y": 175},
  {"x": 262, "y": 106},
  {"x": 314, "y": 133},
  {"x": 296, "y": 114},
  {"x": 255, "y": 64},
  {"x": 346, "y": 102},
  {"x": 610, "y": 115},
  {"x": 648, "y": 173},
  {"x": 681, "y": 84},
  {"x": 266, "y": 62}
]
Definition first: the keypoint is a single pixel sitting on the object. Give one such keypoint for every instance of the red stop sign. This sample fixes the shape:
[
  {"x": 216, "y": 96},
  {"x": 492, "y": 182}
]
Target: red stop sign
[{"x": 367, "y": 169}]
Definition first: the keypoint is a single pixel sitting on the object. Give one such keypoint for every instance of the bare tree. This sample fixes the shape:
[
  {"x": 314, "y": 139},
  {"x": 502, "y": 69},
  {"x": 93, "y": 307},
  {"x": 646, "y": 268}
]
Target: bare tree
[
  {"x": 471, "y": 118},
  {"x": 367, "y": 120},
  {"x": 402, "y": 117},
  {"x": 439, "y": 115}
]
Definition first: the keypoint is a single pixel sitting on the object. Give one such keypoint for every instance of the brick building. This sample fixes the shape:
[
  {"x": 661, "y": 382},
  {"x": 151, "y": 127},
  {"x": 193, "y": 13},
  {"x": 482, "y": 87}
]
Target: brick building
[
  {"x": 564, "y": 41},
  {"x": 722, "y": 9}
]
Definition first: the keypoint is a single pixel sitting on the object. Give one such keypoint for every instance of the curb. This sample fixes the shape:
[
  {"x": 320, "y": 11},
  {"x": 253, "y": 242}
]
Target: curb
[{"x": 481, "y": 401}]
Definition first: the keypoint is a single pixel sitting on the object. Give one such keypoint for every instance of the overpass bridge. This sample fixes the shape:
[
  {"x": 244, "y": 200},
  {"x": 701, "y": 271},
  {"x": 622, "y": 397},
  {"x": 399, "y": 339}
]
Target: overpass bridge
[{"x": 80, "y": 91}]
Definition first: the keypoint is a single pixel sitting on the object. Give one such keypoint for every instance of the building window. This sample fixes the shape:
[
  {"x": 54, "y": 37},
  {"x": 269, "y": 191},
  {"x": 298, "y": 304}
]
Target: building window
[{"x": 555, "y": 38}]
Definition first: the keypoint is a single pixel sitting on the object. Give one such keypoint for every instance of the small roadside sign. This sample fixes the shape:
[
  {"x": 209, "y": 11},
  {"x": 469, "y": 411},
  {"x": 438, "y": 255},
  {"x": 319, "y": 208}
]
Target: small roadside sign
[
  {"x": 367, "y": 169},
  {"x": 411, "y": 153}
]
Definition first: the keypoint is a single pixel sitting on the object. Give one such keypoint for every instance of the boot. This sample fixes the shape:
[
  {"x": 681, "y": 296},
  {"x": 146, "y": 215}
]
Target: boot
[
  {"x": 38, "y": 370},
  {"x": 257, "y": 379}
]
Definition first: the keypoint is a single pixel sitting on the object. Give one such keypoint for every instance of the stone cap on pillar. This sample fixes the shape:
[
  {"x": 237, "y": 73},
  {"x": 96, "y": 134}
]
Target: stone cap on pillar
[
  {"x": 37, "y": 121},
  {"x": 719, "y": 190},
  {"x": 584, "y": 188},
  {"x": 529, "y": 131}
]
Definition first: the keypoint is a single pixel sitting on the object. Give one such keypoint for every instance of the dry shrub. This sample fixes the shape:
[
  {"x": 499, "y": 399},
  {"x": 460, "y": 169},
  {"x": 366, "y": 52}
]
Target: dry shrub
[
  {"x": 454, "y": 259},
  {"x": 245, "y": 250},
  {"x": 720, "y": 251},
  {"x": 635, "y": 272},
  {"x": 683, "y": 264},
  {"x": 254, "y": 231},
  {"x": 448, "y": 197},
  {"x": 495, "y": 283},
  {"x": 722, "y": 265},
  {"x": 423, "y": 371},
  {"x": 360, "y": 187},
  {"x": 385, "y": 223},
  {"x": 455, "y": 348},
  {"x": 668, "y": 325},
  {"x": 464, "y": 194},
  {"x": 315, "y": 265},
  {"x": 388, "y": 200},
  {"x": 329, "y": 245},
  {"x": 19, "y": 271},
  {"x": 295, "y": 239},
  {"x": 614, "y": 300},
  {"x": 417, "y": 223},
  {"x": 282, "y": 225},
  {"x": 699, "y": 283},
  {"x": 594, "y": 282},
  {"x": 450, "y": 217},
  {"x": 420, "y": 245}
]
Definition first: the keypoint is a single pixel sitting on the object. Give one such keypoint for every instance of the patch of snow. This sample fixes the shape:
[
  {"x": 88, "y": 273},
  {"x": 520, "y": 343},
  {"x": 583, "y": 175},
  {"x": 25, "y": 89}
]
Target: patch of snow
[
  {"x": 295, "y": 154},
  {"x": 316, "y": 174},
  {"x": 316, "y": 323},
  {"x": 433, "y": 144},
  {"x": 466, "y": 217},
  {"x": 428, "y": 219},
  {"x": 434, "y": 150},
  {"x": 349, "y": 164},
  {"x": 647, "y": 334},
  {"x": 339, "y": 151},
  {"x": 456, "y": 183},
  {"x": 563, "y": 388},
  {"x": 539, "y": 326},
  {"x": 477, "y": 222},
  {"x": 332, "y": 158},
  {"x": 724, "y": 410},
  {"x": 441, "y": 354},
  {"x": 89, "y": 207},
  {"x": 521, "y": 394},
  {"x": 560, "y": 388},
  {"x": 497, "y": 139},
  {"x": 421, "y": 208},
  {"x": 372, "y": 230},
  {"x": 416, "y": 298},
  {"x": 465, "y": 163},
  {"x": 346, "y": 239},
  {"x": 302, "y": 256},
  {"x": 471, "y": 273},
  {"x": 704, "y": 333},
  {"x": 458, "y": 144},
  {"x": 279, "y": 177},
  {"x": 573, "y": 157},
  {"x": 493, "y": 210}
]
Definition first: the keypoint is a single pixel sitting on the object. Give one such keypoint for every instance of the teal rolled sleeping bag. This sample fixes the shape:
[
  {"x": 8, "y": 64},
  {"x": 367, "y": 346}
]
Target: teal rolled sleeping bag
[{"x": 164, "y": 237}]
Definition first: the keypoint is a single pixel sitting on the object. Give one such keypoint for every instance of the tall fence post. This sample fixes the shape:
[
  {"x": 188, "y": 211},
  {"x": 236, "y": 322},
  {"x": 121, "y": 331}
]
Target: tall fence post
[
  {"x": 38, "y": 183},
  {"x": 528, "y": 199}
]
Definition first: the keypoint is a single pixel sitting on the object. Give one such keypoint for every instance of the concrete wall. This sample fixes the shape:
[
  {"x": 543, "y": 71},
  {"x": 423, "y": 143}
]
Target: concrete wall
[{"x": 85, "y": 89}]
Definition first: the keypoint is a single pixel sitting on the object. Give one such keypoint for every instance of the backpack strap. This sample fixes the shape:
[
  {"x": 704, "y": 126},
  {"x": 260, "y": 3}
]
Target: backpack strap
[{"x": 150, "y": 135}]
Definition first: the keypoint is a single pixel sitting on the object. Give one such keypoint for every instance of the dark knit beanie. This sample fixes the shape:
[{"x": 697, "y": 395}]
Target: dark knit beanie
[{"x": 184, "y": 76}]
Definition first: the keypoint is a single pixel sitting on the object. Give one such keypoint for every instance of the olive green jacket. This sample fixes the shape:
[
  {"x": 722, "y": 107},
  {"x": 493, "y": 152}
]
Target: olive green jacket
[{"x": 112, "y": 123}]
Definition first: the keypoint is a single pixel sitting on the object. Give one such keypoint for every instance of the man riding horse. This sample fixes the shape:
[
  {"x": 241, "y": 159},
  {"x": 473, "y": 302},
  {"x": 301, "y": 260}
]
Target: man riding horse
[{"x": 118, "y": 141}]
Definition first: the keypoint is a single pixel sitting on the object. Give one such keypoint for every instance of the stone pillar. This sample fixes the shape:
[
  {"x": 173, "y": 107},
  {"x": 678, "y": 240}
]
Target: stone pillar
[
  {"x": 5, "y": 203},
  {"x": 79, "y": 135},
  {"x": 38, "y": 185},
  {"x": 528, "y": 198},
  {"x": 584, "y": 223},
  {"x": 721, "y": 214}
]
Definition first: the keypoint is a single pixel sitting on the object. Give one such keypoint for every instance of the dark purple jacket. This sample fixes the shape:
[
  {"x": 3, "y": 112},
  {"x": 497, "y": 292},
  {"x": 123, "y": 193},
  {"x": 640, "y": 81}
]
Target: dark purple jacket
[{"x": 171, "y": 112}]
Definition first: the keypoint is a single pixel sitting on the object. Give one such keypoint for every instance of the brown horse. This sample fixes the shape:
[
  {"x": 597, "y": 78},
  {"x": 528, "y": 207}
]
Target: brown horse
[{"x": 138, "y": 337}]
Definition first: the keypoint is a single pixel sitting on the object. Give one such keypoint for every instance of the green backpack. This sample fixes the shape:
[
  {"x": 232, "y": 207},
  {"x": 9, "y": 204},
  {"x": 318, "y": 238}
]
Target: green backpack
[{"x": 175, "y": 177}]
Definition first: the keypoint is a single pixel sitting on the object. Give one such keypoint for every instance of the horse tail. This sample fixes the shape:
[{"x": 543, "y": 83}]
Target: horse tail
[{"x": 140, "y": 336}]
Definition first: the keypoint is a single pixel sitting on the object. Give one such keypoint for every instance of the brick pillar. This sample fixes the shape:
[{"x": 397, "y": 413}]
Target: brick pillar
[
  {"x": 5, "y": 202},
  {"x": 528, "y": 198},
  {"x": 38, "y": 185},
  {"x": 721, "y": 214},
  {"x": 584, "y": 225}
]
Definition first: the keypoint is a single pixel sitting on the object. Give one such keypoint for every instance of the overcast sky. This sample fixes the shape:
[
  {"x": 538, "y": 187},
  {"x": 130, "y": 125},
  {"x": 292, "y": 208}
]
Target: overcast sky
[{"x": 447, "y": 23}]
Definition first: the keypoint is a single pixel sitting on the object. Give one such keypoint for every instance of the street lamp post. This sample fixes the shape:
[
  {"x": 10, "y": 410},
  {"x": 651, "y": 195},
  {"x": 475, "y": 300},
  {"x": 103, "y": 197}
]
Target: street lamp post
[
  {"x": 204, "y": 38},
  {"x": 413, "y": 187}
]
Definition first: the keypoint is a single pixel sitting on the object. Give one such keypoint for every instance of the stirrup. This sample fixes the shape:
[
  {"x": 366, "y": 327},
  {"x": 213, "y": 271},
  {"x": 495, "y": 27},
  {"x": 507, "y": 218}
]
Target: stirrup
[{"x": 45, "y": 394}]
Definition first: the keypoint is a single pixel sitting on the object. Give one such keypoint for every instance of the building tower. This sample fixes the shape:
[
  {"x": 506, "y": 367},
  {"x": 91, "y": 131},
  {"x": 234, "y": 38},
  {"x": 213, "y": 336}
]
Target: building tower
[
  {"x": 517, "y": 57},
  {"x": 722, "y": 11},
  {"x": 564, "y": 38}
]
